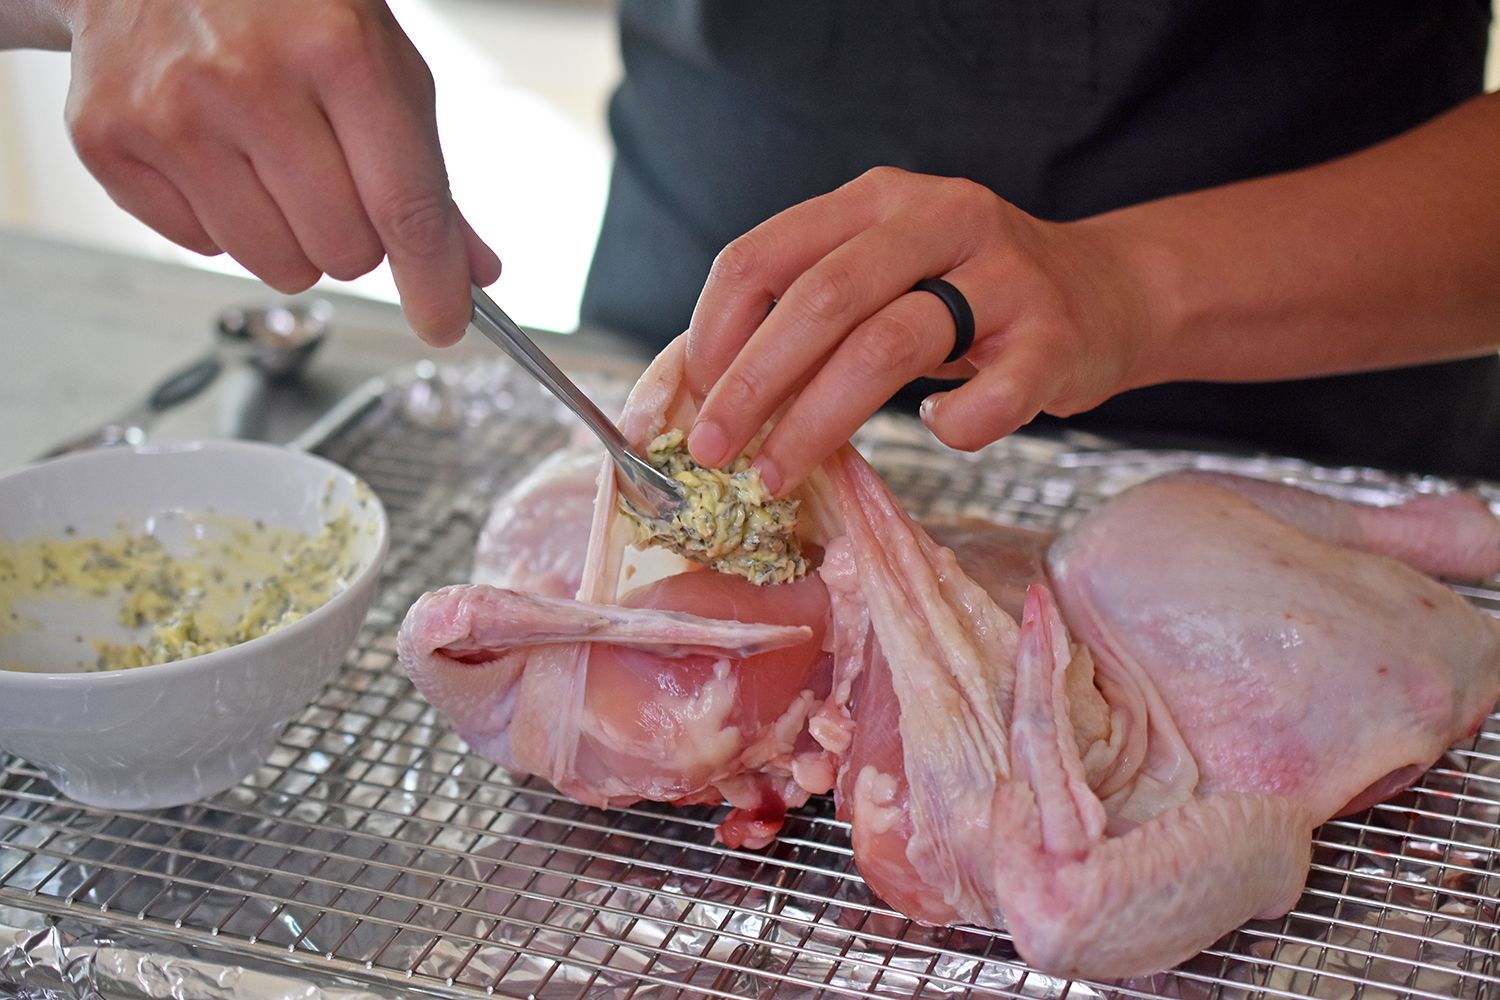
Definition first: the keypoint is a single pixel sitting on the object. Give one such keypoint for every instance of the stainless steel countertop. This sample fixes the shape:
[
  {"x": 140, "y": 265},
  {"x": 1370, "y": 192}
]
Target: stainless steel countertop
[{"x": 84, "y": 333}]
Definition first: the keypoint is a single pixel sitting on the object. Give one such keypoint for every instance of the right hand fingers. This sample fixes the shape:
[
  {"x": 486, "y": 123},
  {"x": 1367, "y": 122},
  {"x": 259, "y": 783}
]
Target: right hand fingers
[
  {"x": 829, "y": 261},
  {"x": 854, "y": 382},
  {"x": 299, "y": 137},
  {"x": 1058, "y": 322},
  {"x": 756, "y": 270},
  {"x": 999, "y": 399}
]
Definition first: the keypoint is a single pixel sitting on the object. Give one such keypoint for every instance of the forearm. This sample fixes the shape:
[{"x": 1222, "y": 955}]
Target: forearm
[
  {"x": 1387, "y": 257},
  {"x": 33, "y": 24}
]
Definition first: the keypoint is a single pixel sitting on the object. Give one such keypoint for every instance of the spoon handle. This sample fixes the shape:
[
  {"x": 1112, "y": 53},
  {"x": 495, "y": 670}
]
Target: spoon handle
[
  {"x": 185, "y": 383},
  {"x": 130, "y": 427},
  {"x": 660, "y": 493},
  {"x": 492, "y": 321}
]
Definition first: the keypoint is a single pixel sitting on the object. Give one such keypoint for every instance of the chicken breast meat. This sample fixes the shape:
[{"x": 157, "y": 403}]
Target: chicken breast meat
[{"x": 1116, "y": 743}]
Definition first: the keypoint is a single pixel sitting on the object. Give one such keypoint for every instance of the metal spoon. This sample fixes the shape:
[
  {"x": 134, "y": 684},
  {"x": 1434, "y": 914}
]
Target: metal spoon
[
  {"x": 277, "y": 340},
  {"x": 280, "y": 338},
  {"x": 651, "y": 491}
]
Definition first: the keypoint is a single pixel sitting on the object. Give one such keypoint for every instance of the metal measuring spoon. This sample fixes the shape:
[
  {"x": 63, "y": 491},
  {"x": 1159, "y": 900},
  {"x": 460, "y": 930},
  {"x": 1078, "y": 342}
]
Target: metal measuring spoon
[
  {"x": 651, "y": 491},
  {"x": 276, "y": 340}
]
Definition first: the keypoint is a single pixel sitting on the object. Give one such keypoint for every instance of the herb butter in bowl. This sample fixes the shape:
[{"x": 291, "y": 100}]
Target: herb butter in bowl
[{"x": 165, "y": 611}]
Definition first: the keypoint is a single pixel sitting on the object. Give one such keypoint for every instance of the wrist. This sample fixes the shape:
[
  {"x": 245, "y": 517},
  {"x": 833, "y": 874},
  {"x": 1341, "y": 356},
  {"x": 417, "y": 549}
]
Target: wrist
[{"x": 1140, "y": 281}]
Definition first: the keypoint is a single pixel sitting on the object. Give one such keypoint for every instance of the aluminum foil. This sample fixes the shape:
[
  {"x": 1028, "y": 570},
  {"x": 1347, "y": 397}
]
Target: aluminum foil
[
  {"x": 373, "y": 856},
  {"x": 47, "y": 959}
]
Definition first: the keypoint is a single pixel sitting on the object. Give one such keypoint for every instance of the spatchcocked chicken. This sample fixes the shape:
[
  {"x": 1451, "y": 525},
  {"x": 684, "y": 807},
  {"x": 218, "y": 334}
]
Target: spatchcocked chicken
[{"x": 1116, "y": 742}]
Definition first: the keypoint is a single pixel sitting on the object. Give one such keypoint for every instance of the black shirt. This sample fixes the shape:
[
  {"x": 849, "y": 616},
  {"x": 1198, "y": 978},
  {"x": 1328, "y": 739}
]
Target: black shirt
[{"x": 732, "y": 110}]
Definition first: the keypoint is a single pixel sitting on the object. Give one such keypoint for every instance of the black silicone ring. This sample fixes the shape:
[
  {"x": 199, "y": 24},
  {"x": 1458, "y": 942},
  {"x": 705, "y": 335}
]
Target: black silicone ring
[{"x": 963, "y": 316}]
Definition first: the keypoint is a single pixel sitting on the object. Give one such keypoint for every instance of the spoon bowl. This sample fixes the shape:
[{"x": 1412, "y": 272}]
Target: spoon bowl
[{"x": 277, "y": 339}]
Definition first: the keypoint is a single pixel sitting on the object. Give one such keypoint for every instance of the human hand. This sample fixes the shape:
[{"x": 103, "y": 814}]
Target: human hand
[
  {"x": 1060, "y": 325},
  {"x": 298, "y": 136}
]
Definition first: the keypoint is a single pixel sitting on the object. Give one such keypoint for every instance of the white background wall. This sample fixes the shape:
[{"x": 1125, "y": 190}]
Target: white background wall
[{"x": 522, "y": 86}]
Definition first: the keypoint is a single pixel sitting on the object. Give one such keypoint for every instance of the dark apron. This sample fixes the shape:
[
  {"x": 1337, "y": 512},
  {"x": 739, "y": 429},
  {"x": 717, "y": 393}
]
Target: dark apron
[{"x": 732, "y": 110}]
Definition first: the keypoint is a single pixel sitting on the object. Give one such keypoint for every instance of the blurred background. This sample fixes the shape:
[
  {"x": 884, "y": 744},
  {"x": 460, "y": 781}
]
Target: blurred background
[{"x": 522, "y": 87}]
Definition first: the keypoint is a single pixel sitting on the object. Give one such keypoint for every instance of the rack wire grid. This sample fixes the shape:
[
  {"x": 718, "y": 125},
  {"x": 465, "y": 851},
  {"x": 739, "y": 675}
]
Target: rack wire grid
[{"x": 374, "y": 851}]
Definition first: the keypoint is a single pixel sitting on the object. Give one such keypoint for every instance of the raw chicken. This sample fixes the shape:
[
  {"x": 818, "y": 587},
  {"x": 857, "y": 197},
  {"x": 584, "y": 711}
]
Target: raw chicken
[
  {"x": 1204, "y": 669},
  {"x": 1123, "y": 802},
  {"x": 662, "y": 681},
  {"x": 537, "y": 536}
]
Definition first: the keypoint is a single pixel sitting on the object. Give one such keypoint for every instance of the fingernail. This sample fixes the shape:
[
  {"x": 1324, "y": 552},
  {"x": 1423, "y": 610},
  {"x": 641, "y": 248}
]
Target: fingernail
[
  {"x": 708, "y": 444},
  {"x": 925, "y": 411},
  {"x": 770, "y": 476}
]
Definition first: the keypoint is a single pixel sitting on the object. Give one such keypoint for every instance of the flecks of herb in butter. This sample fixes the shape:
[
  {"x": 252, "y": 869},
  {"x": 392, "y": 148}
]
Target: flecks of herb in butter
[
  {"x": 239, "y": 580},
  {"x": 728, "y": 520}
]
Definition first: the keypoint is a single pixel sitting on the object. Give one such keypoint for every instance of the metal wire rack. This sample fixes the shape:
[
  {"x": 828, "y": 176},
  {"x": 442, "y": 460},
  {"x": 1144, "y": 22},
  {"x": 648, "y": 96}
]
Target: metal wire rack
[{"x": 372, "y": 855}]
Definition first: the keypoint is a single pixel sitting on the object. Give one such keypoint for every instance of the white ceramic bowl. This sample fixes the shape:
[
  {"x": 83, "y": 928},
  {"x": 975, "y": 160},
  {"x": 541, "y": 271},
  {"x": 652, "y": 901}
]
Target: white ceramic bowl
[{"x": 167, "y": 734}]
